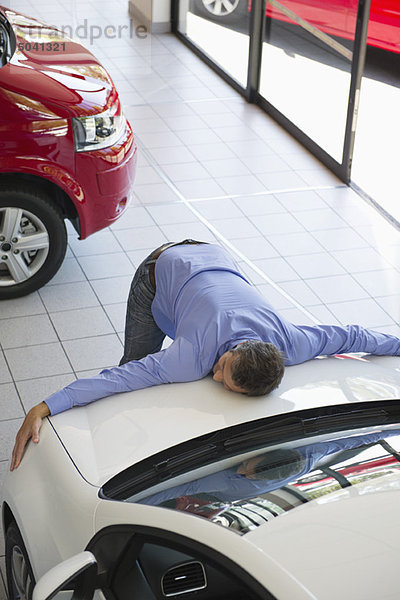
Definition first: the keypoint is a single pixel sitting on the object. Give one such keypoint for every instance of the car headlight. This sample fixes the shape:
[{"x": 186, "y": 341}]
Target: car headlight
[{"x": 99, "y": 131}]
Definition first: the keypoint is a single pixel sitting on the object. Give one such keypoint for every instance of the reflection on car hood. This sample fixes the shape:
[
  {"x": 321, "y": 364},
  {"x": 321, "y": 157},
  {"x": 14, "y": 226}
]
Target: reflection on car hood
[
  {"x": 113, "y": 433},
  {"x": 345, "y": 545},
  {"x": 48, "y": 64}
]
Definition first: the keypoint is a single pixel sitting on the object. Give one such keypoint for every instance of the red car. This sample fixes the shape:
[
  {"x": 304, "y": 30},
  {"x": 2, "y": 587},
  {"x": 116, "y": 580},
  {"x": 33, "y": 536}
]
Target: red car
[
  {"x": 66, "y": 150},
  {"x": 334, "y": 17}
]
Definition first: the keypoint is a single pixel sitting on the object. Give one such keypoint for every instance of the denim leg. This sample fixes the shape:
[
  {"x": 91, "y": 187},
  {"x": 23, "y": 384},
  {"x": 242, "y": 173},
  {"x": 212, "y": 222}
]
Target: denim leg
[{"x": 142, "y": 335}]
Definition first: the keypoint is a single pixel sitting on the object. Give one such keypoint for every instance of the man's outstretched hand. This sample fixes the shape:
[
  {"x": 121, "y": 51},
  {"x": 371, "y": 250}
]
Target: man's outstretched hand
[{"x": 29, "y": 429}]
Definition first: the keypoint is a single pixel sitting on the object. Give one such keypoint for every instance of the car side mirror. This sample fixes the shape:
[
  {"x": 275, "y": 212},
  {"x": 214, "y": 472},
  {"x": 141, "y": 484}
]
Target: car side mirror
[{"x": 82, "y": 567}]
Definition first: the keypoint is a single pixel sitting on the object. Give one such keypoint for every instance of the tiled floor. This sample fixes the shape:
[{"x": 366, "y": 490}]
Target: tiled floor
[{"x": 210, "y": 167}]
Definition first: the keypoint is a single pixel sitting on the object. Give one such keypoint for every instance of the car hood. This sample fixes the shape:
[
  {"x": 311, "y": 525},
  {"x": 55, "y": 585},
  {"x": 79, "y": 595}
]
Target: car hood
[
  {"x": 343, "y": 545},
  {"x": 48, "y": 65},
  {"x": 114, "y": 433}
]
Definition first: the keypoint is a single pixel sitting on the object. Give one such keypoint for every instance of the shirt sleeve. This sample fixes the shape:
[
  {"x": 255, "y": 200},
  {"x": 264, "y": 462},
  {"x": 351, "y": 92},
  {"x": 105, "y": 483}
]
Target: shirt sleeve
[
  {"x": 176, "y": 363},
  {"x": 311, "y": 341}
]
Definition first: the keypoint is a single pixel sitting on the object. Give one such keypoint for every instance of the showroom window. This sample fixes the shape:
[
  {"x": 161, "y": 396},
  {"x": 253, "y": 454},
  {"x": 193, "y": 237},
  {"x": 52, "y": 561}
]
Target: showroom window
[{"x": 300, "y": 60}]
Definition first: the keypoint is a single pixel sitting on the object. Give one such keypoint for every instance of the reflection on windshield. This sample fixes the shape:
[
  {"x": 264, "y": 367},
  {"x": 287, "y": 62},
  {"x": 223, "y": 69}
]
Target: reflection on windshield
[{"x": 258, "y": 488}]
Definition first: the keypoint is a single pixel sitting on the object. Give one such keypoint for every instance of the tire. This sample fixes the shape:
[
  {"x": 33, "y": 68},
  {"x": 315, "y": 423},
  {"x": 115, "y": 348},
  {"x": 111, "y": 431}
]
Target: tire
[
  {"x": 20, "y": 578},
  {"x": 225, "y": 12},
  {"x": 33, "y": 240}
]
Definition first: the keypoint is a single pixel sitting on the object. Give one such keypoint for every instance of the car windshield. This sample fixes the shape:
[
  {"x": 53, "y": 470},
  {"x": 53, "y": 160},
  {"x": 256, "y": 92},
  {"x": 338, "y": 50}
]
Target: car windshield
[
  {"x": 243, "y": 476},
  {"x": 245, "y": 492}
]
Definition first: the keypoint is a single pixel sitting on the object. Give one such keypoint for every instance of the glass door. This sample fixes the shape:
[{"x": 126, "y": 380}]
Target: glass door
[
  {"x": 220, "y": 29},
  {"x": 312, "y": 54}
]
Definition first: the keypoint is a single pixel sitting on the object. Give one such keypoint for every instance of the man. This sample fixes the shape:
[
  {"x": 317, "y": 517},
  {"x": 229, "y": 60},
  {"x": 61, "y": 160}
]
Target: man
[{"x": 194, "y": 293}]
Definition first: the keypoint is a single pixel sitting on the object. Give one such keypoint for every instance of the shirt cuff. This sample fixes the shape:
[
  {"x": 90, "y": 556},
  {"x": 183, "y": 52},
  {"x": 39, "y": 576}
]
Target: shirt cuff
[{"x": 58, "y": 402}]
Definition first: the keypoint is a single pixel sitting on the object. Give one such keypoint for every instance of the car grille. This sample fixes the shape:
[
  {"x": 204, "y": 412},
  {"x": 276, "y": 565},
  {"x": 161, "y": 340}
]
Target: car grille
[{"x": 183, "y": 579}]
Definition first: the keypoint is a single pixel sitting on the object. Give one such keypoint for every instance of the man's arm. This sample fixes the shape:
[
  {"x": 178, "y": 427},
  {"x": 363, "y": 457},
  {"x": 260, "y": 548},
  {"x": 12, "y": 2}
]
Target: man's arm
[
  {"x": 311, "y": 341},
  {"x": 175, "y": 363}
]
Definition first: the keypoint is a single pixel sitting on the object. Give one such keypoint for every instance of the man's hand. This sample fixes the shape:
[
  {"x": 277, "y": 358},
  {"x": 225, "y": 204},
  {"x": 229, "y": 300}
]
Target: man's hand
[{"x": 29, "y": 429}]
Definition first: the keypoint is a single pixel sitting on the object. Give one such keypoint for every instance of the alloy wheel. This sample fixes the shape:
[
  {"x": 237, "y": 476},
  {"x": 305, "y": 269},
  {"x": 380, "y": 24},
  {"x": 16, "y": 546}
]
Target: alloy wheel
[
  {"x": 24, "y": 245},
  {"x": 20, "y": 574},
  {"x": 221, "y": 8}
]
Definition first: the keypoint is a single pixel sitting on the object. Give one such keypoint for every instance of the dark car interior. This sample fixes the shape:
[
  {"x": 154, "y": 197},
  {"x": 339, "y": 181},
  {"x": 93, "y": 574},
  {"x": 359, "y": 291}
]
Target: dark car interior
[{"x": 148, "y": 565}]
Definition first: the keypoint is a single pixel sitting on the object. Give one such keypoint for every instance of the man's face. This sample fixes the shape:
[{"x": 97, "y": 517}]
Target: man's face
[
  {"x": 223, "y": 373},
  {"x": 248, "y": 467}
]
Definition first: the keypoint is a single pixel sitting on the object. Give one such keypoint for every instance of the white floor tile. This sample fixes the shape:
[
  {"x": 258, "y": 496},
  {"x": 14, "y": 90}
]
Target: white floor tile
[
  {"x": 82, "y": 323},
  {"x": 171, "y": 155},
  {"x": 255, "y": 247},
  {"x": 8, "y": 431},
  {"x": 70, "y": 272},
  {"x": 185, "y": 171},
  {"x": 299, "y": 201},
  {"x": 358, "y": 260},
  {"x": 116, "y": 292},
  {"x": 315, "y": 265},
  {"x": 94, "y": 353},
  {"x": 295, "y": 243},
  {"x": 137, "y": 216},
  {"x": 155, "y": 193},
  {"x": 259, "y": 204},
  {"x": 281, "y": 181},
  {"x": 391, "y": 304},
  {"x": 218, "y": 208},
  {"x": 173, "y": 213},
  {"x": 226, "y": 167},
  {"x": 19, "y": 307},
  {"x": 364, "y": 312},
  {"x": 132, "y": 239},
  {"x": 192, "y": 137},
  {"x": 194, "y": 230},
  {"x": 106, "y": 265},
  {"x": 277, "y": 224},
  {"x": 235, "y": 228},
  {"x": 340, "y": 239},
  {"x": 201, "y": 188},
  {"x": 301, "y": 292},
  {"x": 5, "y": 375},
  {"x": 33, "y": 391},
  {"x": 68, "y": 296},
  {"x": 380, "y": 283},
  {"x": 323, "y": 219},
  {"x": 37, "y": 361},
  {"x": 26, "y": 331},
  {"x": 277, "y": 269},
  {"x": 102, "y": 242},
  {"x": 117, "y": 313},
  {"x": 11, "y": 407},
  {"x": 274, "y": 297},
  {"x": 241, "y": 184},
  {"x": 340, "y": 288}
]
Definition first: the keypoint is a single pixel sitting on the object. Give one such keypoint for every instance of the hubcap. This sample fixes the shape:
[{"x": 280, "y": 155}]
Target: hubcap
[
  {"x": 221, "y": 8},
  {"x": 20, "y": 574},
  {"x": 24, "y": 245}
]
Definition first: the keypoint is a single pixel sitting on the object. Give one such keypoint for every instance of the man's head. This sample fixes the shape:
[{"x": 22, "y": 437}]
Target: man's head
[
  {"x": 254, "y": 368},
  {"x": 274, "y": 465}
]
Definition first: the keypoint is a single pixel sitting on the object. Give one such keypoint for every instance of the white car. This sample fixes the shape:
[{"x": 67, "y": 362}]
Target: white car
[{"x": 160, "y": 494}]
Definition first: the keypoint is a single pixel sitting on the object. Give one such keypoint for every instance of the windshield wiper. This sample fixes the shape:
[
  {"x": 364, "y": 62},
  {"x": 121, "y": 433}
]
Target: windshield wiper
[{"x": 120, "y": 487}]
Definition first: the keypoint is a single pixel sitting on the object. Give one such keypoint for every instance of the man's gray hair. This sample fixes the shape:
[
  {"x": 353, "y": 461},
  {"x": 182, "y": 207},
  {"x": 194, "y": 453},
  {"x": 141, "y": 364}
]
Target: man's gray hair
[{"x": 257, "y": 367}]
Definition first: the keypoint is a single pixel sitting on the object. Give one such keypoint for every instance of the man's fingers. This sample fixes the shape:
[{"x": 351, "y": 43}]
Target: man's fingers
[
  {"x": 35, "y": 431},
  {"x": 17, "y": 454}
]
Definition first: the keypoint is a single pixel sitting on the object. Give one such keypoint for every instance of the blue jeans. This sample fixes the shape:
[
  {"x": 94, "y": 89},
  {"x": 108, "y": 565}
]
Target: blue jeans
[{"x": 142, "y": 334}]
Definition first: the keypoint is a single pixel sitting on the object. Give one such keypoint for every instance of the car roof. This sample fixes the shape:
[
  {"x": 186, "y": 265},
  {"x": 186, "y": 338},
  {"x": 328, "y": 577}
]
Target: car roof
[{"x": 114, "y": 433}]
